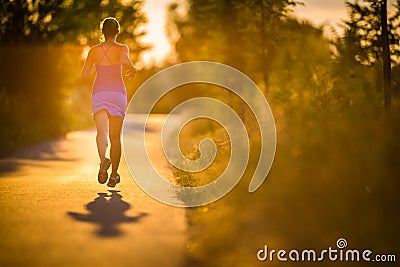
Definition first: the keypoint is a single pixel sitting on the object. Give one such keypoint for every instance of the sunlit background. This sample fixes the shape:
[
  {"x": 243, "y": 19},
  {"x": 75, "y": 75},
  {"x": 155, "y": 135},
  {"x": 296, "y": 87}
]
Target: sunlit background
[
  {"x": 327, "y": 13},
  {"x": 155, "y": 11}
]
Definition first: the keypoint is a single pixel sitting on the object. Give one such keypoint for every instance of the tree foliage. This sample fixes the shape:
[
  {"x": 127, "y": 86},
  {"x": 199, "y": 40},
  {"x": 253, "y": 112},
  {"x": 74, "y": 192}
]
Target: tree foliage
[
  {"x": 76, "y": 22},
  {"x": 333, "y": 137},
  {"x": 41, "y": 45},
  {"x": 362, "y": 38},
  {"x": 359, "y": 52},
  {"x": 289, "y": 58},
  {"x": 243, "y": 34}
]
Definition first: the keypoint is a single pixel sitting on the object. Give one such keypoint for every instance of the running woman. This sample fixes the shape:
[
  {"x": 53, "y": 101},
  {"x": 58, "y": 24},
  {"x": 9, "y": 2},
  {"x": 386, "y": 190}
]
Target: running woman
[{"x": 109, "y": 98}]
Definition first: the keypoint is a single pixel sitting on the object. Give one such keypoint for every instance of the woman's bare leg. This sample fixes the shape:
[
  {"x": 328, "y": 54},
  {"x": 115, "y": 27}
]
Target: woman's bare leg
[
  {"x": 115, "y": 140},
  {"x": 101, "y": 119}
]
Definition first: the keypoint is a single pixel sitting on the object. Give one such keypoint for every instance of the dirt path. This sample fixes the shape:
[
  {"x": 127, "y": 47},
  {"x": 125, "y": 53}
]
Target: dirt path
[{"x": 54, "y": 213}]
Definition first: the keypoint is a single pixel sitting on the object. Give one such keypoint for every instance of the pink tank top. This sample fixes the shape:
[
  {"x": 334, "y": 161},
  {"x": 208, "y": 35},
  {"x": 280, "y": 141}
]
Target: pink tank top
[{"x": 108, "y": 77}]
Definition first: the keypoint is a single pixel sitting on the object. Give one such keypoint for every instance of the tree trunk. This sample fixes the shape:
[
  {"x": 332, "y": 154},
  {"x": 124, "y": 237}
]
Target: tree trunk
[{"x": 387, "y": 76}]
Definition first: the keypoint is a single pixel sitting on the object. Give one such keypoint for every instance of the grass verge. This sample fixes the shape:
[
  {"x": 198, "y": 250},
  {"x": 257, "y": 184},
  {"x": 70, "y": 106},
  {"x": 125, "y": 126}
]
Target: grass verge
[{"x": 335, "y": 175}]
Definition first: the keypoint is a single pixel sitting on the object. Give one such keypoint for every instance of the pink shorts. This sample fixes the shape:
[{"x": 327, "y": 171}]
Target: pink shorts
[{"x": 113, "y": 102}]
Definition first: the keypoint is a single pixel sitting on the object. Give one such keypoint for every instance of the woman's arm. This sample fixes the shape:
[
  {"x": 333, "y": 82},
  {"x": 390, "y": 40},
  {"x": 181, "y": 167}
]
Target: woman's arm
[
  {"x": 126, "y": 62},
  {"x": 88, "y": 68}
]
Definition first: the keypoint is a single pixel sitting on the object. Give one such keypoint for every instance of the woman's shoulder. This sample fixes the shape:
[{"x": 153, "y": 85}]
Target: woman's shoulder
[
  {"x": 121, "y": 46},
  {"x": 94, "y": 48}
]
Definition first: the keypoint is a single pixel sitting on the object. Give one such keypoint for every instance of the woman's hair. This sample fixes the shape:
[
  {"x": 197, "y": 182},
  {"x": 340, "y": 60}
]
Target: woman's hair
[{"x": 110, "y": 27}]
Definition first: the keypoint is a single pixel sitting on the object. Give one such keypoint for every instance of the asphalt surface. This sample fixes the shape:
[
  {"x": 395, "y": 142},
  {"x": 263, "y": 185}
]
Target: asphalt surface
[{"x": 53, "y": 212}]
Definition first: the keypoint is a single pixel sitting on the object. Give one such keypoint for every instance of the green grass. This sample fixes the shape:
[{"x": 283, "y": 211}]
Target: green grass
[{"x": 335, "y": 175}]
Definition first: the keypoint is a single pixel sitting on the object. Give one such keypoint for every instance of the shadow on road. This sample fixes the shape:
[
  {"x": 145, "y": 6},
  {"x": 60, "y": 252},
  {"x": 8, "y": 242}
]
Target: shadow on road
[
  {"x": 107, "y": 211},
  {"x": 35, "y": 155}
]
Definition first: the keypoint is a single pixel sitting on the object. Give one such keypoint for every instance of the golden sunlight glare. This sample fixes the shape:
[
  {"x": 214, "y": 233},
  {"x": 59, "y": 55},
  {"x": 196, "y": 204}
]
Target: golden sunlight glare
[
  {"x": 85, "y": 52},
  {"x": 155, "y": 11}
]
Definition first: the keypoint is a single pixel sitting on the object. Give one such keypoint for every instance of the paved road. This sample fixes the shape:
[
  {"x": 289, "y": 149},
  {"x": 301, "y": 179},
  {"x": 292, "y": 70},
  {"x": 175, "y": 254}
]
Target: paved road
[{"x": 54, "y": 213}]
